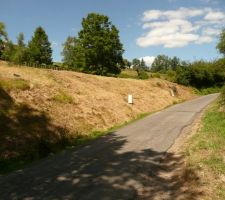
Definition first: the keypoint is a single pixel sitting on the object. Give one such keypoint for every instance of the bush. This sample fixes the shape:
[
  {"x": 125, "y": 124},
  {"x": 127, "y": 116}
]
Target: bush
[
  {"x": 142, "y": 74},
  {"x": 155, "y": 75},
  {"x": 14, "y": 84},
  {"x": 63, "y": 97}
]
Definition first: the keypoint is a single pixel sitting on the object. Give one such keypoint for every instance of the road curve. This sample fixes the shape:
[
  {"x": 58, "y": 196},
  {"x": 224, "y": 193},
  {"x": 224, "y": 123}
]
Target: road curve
[{"x": 122, "y": 165}]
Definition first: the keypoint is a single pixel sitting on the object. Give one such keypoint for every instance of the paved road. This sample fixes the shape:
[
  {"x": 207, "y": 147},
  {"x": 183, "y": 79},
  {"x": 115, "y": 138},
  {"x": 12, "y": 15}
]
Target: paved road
[{"x": 122, "y": 165}]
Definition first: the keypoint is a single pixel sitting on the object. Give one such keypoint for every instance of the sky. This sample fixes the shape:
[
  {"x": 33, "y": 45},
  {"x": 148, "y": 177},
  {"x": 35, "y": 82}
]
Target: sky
[{"x": 188, "y": 29}]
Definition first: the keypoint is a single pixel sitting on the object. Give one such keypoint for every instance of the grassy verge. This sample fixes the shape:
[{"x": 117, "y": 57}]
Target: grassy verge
[{"x": 206, "y": 153}]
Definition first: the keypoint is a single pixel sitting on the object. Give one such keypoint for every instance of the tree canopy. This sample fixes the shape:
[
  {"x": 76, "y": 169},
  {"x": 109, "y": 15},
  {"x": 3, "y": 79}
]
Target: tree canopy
[
  {"x": 97, "y": 49},
  {"x": 39, "y": 48},
  {"x": 221, "y": 44},
  {"x": 3, "y": 38}
]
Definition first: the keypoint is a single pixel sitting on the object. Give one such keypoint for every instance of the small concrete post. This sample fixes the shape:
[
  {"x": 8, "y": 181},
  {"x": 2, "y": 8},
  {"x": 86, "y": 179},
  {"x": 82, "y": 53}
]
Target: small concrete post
[
  {"x": 172, "y": 93},
  {"x": 130, "y": 99}
]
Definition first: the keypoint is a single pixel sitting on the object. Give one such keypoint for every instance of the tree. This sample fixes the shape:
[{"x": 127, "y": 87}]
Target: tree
[
  {"x": 126, "y": 63},
  {"x": 221, "y": 44},
  {"x": 73, "y": 54},
  {"x": 3, "y": 38},
  {"x": 39, "y": 48},
  {"x": 20, "y": 56},
  {"x": 174, "y": 62},
  {"x": 161, "y": 63},
  {"x": 20, "y": 40},
  {"x": 98, "y": 47},
  {"x": 9, "y": 51},
  {"x": 136, "y": 63}
]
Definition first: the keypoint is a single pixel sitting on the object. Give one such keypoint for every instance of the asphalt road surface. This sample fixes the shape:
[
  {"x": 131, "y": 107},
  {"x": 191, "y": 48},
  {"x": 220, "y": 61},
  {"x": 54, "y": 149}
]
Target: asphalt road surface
[{"x": 125, "y": 164}]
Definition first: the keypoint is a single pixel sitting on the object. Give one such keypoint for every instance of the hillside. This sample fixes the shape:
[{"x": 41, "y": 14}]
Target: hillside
[{"x": 44, "y": 109}]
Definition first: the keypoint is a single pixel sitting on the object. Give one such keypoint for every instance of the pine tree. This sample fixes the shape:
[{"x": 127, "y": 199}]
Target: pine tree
[
  {"x": 3, "y": 38},
  {"x": 39, "y": 48}
]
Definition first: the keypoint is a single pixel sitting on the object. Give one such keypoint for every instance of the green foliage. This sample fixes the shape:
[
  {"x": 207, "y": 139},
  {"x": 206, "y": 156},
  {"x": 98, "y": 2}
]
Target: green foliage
[
  {"x": 20, "y": 56},
  {"x": 201, "y": 74},
  {"x": 73, "y": 54},
  {"x": 221, "y": 44},
  {"x": 97, "y": 49},
  {"x": 206, "y": 150},
  {"x": 139, "y": 64},
  {"x": 9, "y": 51},
  {"x": 39, "y": 48},
  {"x": 126, "y": 63},
  {"x": 128, "y": 73},
  {"x": 142, "y": 74},
  {"x": 163, "y": 63},
  {"x": 222, "y": 97},
  {"x": 171, "y": 75},
  {"x": 155, "y": 75},
  {"x": 14, "y": 84},
  {"x": 63, "y": 97},
  {"x": 3, "y": 38},
  {"x": 205, "y": 91}
]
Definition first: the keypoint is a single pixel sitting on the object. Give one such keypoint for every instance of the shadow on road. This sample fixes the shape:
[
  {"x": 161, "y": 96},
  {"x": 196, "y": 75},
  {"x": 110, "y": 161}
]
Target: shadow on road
[{"x": 101, "y": 170}]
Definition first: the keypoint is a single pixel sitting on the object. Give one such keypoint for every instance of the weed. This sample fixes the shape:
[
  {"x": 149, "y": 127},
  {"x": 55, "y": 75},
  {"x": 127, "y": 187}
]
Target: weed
[
  {"x": 63, "y": 97},
  {"x": 14, "y": 84}
]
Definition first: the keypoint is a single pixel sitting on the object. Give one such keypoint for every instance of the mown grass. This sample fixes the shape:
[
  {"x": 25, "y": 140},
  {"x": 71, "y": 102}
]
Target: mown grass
[{"x": 206, "y": 152}]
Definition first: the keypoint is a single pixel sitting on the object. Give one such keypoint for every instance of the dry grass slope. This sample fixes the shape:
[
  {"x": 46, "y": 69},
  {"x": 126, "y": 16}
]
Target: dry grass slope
[{"x": 71, "y": 103}]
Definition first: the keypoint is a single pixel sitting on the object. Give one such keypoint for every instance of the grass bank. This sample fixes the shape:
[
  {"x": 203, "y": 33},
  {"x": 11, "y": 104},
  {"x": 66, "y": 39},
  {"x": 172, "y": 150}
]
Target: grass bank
[{"x": 206, "y": 154}]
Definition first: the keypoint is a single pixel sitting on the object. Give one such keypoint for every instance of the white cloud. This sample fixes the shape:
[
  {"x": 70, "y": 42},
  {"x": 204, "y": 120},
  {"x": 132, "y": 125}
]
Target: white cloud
[
  {"x": 211, "y": 31},
  {"x": 148, "y": 60},
  {"x": 178, "y": 28},
  {"x": 214, "y": 16},
  {"x": 180, "y": 13}
]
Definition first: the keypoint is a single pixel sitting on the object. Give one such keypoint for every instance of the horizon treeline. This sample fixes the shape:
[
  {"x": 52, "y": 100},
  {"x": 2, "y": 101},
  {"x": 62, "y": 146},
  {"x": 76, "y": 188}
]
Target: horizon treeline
[{"x": 98, "y": 50}]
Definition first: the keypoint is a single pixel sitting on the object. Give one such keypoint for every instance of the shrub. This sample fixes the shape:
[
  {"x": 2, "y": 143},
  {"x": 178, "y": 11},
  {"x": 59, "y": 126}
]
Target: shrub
[
  {"x": 63, "y": 97},
  {"x": 142, "y": 74},
  {"x": 155, "y": 75},
  {"x": 14, "y": 84}
]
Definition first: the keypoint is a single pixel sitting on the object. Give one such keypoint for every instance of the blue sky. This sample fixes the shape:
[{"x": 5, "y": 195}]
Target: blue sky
[{"x": 184, "y": 28}]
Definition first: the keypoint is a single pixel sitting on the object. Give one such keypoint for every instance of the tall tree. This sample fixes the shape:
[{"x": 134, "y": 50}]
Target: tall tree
[
  {"x": 221, "y": 44},
  {"x": 39, "y": 48},
  {"x": 20, "y": 56},
  {"x": 73, "y": 54},
  {"x": 161, "y": 63},
  {"x": 9, "y": 51},
  {"x": 99, "y": 44},
  {"x": 136, "y": 63},
  {"x": 20, "y": 40},
  {"x": 3, "y": 38}
]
